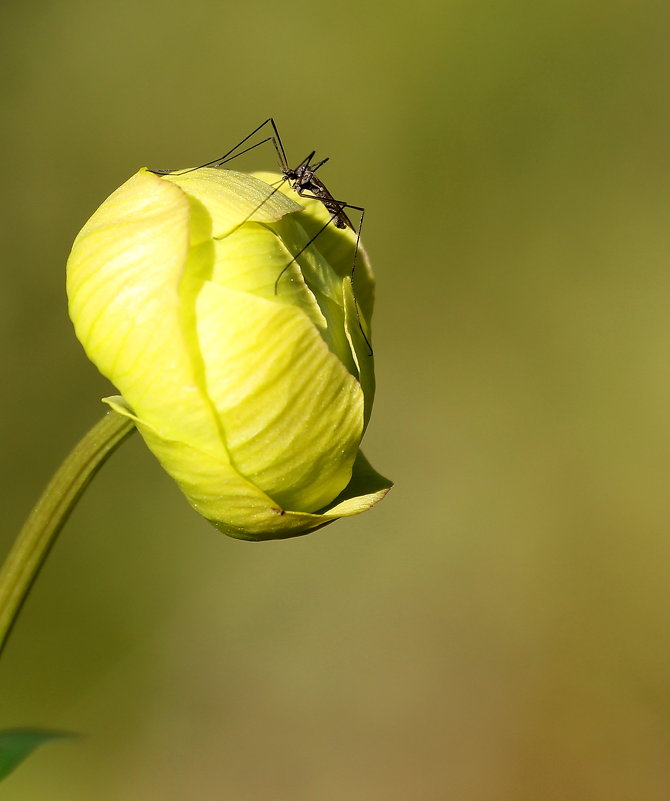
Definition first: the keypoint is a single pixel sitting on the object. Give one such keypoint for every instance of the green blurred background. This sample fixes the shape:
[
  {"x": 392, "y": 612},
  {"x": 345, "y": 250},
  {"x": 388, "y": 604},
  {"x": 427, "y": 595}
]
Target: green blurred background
[{"x": 498, "y": 628}]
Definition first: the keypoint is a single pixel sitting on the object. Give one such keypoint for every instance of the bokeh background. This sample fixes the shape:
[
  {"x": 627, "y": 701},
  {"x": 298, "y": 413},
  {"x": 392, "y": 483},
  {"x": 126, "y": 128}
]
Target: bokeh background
[{"x": 498, "y": 628}]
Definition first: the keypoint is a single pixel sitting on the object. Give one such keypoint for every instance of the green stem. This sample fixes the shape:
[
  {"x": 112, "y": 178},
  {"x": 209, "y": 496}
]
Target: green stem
[{"x": 47, "y": 518}]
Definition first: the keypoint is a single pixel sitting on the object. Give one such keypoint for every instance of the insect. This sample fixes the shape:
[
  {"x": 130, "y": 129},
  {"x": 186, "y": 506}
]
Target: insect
[{"x": 305, "y": 183}]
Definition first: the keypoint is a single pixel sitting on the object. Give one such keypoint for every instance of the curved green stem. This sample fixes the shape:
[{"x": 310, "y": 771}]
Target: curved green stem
[{"x": 52, "y": 510}]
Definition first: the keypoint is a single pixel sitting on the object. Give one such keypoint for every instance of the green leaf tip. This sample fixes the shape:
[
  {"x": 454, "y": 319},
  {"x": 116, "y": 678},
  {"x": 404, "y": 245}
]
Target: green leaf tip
[{"x": 17, "y": 744}]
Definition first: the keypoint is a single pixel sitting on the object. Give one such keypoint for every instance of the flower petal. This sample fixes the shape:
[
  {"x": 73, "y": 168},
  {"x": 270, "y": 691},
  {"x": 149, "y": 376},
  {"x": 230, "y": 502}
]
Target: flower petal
[
  {"x": 125, "y": 277},
  {"x": 291, "y": 412}
]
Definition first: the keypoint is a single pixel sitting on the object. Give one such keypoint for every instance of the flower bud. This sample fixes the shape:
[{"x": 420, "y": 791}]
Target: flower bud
[{"x": 252, "y": 392}]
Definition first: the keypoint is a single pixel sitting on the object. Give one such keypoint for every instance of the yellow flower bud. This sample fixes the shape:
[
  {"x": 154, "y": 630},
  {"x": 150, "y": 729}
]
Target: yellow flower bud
[{"x": 253, "y": 393}]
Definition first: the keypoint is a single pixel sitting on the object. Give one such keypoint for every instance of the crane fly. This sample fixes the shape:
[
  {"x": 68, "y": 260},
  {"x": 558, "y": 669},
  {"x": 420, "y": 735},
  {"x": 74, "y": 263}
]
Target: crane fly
[{"x": 305, "y": 183}]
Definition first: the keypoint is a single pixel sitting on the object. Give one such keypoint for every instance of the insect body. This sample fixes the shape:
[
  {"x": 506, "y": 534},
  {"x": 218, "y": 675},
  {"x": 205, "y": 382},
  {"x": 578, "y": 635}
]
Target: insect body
[
  {"x": 303, "y": 178},
  {"x": 307, "y": 184}
]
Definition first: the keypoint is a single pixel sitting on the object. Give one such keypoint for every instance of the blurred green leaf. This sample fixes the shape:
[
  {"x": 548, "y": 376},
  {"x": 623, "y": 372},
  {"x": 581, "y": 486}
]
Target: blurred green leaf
[{"x": 17, "y": 744}]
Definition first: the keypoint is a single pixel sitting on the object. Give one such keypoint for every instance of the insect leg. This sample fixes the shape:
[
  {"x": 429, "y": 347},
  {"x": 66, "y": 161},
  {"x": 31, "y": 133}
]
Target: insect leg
[
  {"x": 231, "y": 154},
  {"x": 303, "y": 249},
  {"x": 227, "y": 156},
  {"x": 353, "y": 269},
  {"x": 221, "y": 162},
  {"x": 253, "y": 211},
  {"x": 340, "y": 205},
  {"x": 358, "y": 233}
]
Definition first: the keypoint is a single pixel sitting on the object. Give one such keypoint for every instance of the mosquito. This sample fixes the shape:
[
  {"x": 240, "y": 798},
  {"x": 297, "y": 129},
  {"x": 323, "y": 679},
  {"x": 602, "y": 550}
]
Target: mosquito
[{"x": 305, "y": 183}]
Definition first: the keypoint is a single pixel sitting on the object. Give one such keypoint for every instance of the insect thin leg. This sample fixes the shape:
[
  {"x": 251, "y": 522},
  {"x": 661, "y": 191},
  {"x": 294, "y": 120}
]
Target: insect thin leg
[
  {"x": 358, "y": 236},
  {"x": 277, "y": 142},
  {"x": 221, "y": 162},
  {"x": 229, "y": 155},
  {"x": 232, "y": 154},
  {"x": 302, "y": 250},
  {"x": 353, "y": 270},
  {"x": 253, "y": 211},
  {"x": 341, "y": 205},
  {"x": 239, "y": 144}
]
